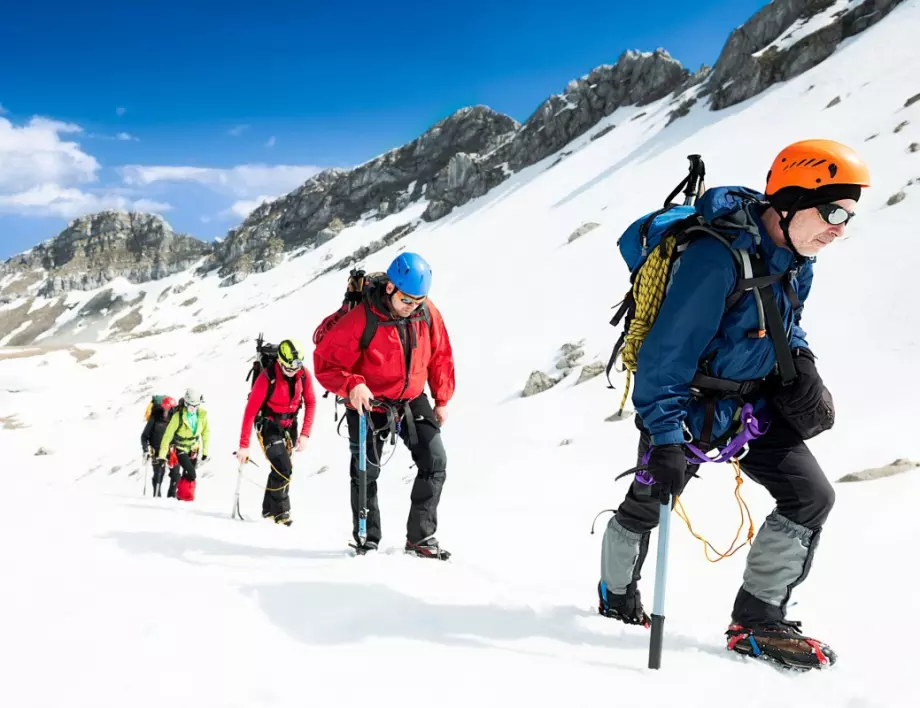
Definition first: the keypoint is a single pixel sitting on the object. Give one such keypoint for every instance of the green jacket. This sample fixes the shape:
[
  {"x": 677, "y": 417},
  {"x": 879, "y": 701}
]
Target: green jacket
[{"x": 180, "y": 434}]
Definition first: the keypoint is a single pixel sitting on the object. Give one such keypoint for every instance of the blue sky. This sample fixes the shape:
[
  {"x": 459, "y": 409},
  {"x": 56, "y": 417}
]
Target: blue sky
[{"x": 245, "y": 100}]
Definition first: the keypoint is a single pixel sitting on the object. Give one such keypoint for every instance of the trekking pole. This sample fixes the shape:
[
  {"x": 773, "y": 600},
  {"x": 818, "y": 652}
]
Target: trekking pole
[
  {"x": 144, "y": 472},
  {"x": 236, "y": 514},
  {"x": 695, "y": 177},
  {"x": 362, "y": 477},
  {"x": 661, "y": 578}
]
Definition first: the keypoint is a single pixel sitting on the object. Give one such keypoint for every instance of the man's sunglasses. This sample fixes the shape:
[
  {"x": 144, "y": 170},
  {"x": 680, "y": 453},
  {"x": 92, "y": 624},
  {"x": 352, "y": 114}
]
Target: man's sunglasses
[
  {"x": 293, "y": 366},
  {"x": 408, "y": 299},
  {"x": 834, "y": 214}
]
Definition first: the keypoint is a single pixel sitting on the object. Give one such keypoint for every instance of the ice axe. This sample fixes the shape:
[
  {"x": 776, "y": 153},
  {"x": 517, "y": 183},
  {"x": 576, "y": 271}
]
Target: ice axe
[
  {"x": 661, "y": 577},
  {"x": 693, "y": 185},
  {"x": 362, "y": 478},
  {"x": 235, "y": 512}
]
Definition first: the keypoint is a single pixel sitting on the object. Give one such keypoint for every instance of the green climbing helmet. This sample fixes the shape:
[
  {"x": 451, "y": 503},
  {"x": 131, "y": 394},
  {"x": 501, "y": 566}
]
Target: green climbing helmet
[{"x": 290, "y": 354}]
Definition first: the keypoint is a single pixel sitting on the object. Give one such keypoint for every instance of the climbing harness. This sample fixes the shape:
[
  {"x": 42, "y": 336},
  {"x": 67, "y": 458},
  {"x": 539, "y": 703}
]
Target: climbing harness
[{"x": 734, "y": 450}]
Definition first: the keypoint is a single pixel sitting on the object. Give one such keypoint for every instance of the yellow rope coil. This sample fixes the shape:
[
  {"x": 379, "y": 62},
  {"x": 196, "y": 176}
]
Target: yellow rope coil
[{"x": 648, "y": 293}]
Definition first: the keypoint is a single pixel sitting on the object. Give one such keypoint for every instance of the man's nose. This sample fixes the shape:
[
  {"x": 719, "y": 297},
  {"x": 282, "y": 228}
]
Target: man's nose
[{"x": 837, "y": 231}]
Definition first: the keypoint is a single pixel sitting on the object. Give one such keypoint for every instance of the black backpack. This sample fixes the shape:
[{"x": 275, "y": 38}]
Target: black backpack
[{"x": 266, "y": 356}]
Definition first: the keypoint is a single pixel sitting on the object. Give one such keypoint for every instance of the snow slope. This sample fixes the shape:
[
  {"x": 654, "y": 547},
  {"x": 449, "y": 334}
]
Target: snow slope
[{"x": 112, "y": 598}]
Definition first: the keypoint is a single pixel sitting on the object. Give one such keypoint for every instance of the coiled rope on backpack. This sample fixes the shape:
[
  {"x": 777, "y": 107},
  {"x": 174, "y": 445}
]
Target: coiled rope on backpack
[
  {"x": 644, "y": 299},
  {"x": 648, "y": 292}
]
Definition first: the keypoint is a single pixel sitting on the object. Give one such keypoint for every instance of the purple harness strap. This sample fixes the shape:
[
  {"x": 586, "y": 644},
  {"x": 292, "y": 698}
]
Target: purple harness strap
[{"x": 751, "y": 429}]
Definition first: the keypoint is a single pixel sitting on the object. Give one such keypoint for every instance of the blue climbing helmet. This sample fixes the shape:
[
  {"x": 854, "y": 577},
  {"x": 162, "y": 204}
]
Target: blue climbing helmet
[{"x": 411, "y": 274}]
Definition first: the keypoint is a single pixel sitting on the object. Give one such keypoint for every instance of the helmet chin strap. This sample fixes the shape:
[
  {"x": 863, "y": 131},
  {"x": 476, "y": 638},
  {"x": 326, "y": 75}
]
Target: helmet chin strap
[{"x": 784, "y": 223}]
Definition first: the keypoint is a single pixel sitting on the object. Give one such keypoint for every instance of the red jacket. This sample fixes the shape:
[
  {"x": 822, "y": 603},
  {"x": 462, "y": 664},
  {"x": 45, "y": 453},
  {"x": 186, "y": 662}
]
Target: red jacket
[
  {"x": 340, "y": 364},
  {"x": 281, "y": 402}
]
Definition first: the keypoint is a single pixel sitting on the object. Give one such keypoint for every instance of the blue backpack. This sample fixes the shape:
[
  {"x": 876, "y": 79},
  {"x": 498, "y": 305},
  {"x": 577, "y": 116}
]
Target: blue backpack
[{"x": 650, "y": 245}]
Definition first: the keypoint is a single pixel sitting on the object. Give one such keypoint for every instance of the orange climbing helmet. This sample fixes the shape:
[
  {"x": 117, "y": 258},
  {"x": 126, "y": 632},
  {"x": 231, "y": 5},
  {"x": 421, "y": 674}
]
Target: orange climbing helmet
[{"x": 812, "y": 164}]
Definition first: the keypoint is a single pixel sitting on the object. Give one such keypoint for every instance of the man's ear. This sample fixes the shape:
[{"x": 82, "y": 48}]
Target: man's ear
[{"x": 390, "y": 288}]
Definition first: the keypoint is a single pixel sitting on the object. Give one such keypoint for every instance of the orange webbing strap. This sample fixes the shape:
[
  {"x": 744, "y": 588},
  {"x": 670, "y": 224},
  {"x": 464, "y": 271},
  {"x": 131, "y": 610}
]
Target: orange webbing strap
[
  {"x": 287, "y": 444},
  {"x": 742, "y": 506}
]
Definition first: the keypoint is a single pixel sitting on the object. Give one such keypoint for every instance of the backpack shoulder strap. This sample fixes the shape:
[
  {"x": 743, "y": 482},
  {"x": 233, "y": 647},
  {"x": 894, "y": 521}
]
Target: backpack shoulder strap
[
  {"x": 269, "y": 373},
  {"x": 424, "y": 314},
  {"x": 374, "y": 299},
  {"x": 371, "y": 320},
  {"x": 747, "y": 279},
  {"x": 774, "y": 319},
  {"x": 753, "y": 275},
  {"x": 302, "y": 375}
]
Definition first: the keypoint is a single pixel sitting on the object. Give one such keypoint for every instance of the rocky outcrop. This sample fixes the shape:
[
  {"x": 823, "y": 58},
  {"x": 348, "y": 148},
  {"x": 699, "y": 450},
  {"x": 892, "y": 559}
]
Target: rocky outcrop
[
  {"x": 899, "y": 466},
  {"x": 582, "y": 230},
  {"x": 92, "y": 251},
  {"x": 538, "y": 382},
  {"x": 590, "y": 371},
  {"x": 636, "y": 79},
  {"x": 98, "y": 248},
  {"x": 378, "y": 188},
  {"x": 768, "y": 48},
  {"x": 400, "y": 232}
]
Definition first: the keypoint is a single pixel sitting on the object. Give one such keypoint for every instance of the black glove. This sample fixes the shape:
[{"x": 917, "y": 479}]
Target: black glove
[
  {"x": 806, "y": 404},
  {"x": 668, "y": 466}
]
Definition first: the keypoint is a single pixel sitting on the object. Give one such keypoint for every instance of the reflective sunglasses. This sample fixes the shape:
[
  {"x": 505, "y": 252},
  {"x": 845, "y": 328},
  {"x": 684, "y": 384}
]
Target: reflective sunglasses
[
  {"x": 834, "y": 214},
  {"x": 293, "y": 366},
  {"x": 407, "y": 299}
]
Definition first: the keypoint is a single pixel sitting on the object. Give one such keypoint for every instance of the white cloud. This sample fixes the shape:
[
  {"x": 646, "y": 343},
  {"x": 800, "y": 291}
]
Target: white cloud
[
  {"x": 242, "y": 181},
  {"x": 270, "y": 142},
  {"x": 245, "y": 207},
  {"x": 34, "y": 154},
  {"x": 68, "y": 202},
  {"x": 55, "y": 126},
  {"x": 120, "y": 111},
  {"x": 237, "y": 130},
  {"x": 44, "y": 174},
  {"x": 117, "y": 136},
  {"x": 151, "y": 206}
]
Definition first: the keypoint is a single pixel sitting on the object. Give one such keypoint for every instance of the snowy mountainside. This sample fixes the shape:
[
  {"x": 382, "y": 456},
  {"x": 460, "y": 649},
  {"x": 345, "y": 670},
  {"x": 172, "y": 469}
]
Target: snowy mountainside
[{"x": 250, "y": 614}]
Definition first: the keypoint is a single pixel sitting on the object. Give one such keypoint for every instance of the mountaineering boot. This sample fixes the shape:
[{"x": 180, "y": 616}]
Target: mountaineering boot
[
  {"x": 363, "y": 549},
  {"x": 427, "y": 548},
  {"x": 782, "y": 643},
  {"x": 626, "y": 608},
  {"x": 284, "y": 518}
]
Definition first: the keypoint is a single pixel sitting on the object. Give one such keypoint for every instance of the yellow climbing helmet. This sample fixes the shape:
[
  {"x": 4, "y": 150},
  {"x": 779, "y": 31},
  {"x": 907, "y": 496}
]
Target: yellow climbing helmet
[{"x": 290, "y": 354}]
